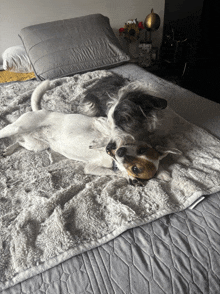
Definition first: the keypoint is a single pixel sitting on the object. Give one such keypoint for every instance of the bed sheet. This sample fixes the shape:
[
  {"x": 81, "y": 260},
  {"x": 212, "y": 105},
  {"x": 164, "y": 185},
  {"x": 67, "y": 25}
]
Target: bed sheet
[{"x": 178, "y": 253}]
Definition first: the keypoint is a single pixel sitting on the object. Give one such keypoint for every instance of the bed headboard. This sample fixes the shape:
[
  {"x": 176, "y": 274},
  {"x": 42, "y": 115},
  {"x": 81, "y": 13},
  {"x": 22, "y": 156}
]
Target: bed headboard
[{"x": 16, "y": 15}]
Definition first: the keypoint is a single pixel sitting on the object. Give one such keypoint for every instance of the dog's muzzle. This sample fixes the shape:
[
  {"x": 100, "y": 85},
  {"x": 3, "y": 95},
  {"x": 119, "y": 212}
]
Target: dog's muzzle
[
  {"x": 110, "y": 149},
  {"x": 121, "y": 151},
  {"x": 114, "y": 166}
]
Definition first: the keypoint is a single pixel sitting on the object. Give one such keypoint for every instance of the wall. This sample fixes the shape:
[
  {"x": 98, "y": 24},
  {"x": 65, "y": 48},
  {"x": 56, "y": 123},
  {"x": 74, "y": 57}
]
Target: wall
[{"x": 16, "y": 14}]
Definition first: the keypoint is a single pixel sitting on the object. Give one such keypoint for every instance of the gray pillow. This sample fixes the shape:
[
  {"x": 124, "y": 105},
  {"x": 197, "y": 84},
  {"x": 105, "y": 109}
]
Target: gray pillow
[{"x": 70, "y": 46}]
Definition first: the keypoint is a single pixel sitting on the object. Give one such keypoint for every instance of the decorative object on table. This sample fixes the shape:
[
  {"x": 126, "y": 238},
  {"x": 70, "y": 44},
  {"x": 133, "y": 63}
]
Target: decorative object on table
[
  {"x": 144, "y": 58},
  {"x": 133, "y": 49},
  {"x": 154, "y": 53},
  {"x": 151, "y": 23},
  {"x": 131, "y": 30},
  {"x": 131, "y": 34},
  {"x": 146, "y": 53}
]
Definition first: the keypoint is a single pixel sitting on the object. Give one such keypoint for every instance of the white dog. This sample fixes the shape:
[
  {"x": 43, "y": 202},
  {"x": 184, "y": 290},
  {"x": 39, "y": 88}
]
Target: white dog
[{"x": 72, "y": 135}]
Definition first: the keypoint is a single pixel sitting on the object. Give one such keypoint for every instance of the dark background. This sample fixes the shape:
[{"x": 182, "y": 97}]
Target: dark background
[{"x": 190, "y": 52}]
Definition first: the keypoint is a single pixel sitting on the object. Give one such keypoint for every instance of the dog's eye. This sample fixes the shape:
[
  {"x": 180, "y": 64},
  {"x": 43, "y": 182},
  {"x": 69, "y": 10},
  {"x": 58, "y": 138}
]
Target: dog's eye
[
  {"x": 135, "y": 170},
  {"x": 142, "y": 150}
]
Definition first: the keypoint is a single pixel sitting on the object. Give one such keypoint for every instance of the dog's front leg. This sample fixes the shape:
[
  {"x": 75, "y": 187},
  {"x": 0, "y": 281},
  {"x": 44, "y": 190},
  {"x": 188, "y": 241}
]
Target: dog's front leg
[
  {"x": 93, "y": 169},
  {"x": 10, "y": 149},
  {"x": 98, "y": 143}
]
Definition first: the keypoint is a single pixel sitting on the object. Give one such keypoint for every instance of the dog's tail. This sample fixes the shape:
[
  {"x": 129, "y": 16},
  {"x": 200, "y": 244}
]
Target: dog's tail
[{"x": 38, "y": 94}]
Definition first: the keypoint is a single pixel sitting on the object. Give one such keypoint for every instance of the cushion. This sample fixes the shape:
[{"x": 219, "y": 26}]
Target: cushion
[
  {"x": 15, "y": 59},
  {"x": 71, "y": 46}
]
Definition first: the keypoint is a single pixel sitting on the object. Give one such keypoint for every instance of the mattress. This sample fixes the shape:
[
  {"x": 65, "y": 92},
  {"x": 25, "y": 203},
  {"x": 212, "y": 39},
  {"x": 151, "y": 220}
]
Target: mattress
[{"x": 178, "y": 253}]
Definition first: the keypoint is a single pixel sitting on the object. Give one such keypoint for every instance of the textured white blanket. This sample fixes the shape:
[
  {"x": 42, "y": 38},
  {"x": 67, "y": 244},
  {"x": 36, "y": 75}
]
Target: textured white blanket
[{"x": 50, "y": 212}]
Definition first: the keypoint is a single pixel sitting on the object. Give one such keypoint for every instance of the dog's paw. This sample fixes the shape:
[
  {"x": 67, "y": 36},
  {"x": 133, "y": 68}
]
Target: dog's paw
[
  {"x": 10, "y": 150},
  {"x": 96, "y": 144},
  {"x": 110, "y": 148},
  {"x": 164, "y": 176},
  {"x": 136, "y": 183},
  {"x": 2, "y": 154},
  {"x": 5, "y": 153}
]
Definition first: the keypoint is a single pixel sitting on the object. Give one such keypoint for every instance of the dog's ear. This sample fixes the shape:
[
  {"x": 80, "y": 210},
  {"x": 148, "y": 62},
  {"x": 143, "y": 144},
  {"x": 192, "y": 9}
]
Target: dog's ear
[
  {"x": 158, "y": 103},
  {"x": 165, "y": 151},
  {"x": 146, "y": 101},
  {"x": 136, "y": 182}
]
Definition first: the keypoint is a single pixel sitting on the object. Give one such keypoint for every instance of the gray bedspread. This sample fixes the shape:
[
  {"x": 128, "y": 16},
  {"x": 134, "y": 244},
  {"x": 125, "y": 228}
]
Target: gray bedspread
[{"x": 178, "y": 253}]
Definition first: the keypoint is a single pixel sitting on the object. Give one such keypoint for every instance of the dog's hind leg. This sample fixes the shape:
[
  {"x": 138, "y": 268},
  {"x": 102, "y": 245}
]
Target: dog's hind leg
[
  {"x": 9, "y": 130},
  {"x": 28, "y": 142},
  {"x": 33, "y": 144},
  {"x": 26, "y": 123}
]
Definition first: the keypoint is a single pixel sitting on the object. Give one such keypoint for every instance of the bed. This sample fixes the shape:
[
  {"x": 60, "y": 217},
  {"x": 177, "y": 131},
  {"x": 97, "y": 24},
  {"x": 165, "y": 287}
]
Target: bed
[{"x": 173, "y": 251}]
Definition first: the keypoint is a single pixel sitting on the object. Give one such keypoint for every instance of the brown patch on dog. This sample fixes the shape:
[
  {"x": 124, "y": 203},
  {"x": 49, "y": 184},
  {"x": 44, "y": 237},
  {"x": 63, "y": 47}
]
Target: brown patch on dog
[
  {"x": 152, "y": 154},
  {"x": 146, "y": 169},
  {"x": 112, "y": 152}
]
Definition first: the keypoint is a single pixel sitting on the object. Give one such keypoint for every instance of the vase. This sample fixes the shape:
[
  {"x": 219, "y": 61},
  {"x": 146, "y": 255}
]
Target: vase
[
  {"x": 145, "y": 54},
  {"x": 124, "y": 44},
  {"x": 134, "y": 49}
]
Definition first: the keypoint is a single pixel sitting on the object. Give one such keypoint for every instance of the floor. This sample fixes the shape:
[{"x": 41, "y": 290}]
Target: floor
[{"x": 200, "y": 78}]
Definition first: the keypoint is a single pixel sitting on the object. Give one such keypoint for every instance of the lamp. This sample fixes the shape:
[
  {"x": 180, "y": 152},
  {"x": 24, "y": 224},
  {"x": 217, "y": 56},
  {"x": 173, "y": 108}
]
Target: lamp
[{"x": 151, "y": 23}]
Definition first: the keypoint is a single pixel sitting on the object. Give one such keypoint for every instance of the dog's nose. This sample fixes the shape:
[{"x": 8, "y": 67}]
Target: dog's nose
[
  {"x": 121, "y": 151},
  {"x": 111, "y": 146}
]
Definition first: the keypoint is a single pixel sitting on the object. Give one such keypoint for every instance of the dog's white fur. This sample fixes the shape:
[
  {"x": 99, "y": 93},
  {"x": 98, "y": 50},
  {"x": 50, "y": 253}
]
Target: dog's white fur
[
  {"x": 136, "y": 118},
  {"x": 73, "y": 136},
  {"x": 68, "y": 134}
]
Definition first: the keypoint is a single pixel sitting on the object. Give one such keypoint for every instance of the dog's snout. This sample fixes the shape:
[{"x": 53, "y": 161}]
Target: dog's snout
[
  {"x": 110, "y": 148},
  {"x": 121, "y": 151}
]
